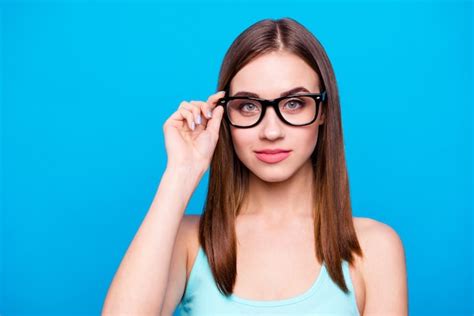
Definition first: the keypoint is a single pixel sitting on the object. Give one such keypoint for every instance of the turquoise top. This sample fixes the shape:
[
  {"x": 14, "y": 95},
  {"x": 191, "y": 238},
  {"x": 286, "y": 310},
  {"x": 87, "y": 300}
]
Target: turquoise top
[{"x": 324, "y": 297}]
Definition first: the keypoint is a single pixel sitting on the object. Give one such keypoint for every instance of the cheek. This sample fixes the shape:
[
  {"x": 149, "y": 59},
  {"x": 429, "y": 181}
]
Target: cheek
[
  {"x": 305, "y": 140},
  {"x": 243, "y": 141}
]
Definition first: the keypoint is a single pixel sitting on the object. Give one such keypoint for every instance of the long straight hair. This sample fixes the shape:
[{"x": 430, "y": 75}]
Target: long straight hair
[{"x": 335, "y": 237}]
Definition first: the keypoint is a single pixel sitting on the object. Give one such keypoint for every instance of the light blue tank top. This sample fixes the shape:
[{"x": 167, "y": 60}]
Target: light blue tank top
[{"x": 202, "y": 297}]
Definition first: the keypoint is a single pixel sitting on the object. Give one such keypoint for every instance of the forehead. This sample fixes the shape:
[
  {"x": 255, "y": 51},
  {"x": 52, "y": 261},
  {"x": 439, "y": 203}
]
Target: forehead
[{"x": 270, "y": 74}]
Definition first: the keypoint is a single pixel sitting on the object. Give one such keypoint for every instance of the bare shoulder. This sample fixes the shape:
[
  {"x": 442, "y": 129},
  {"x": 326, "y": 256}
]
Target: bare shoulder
[
  {"x": 179, "y": 267},
  {"x": 383, "y": 259},
  {"x": 378, "y": 240},
  {"x": 376, "y": 237},
  {"x": 190, "y": 230}
]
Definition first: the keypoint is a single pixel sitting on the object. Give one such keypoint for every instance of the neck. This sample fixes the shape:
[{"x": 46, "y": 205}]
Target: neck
[{"x": 281, "y": 201}]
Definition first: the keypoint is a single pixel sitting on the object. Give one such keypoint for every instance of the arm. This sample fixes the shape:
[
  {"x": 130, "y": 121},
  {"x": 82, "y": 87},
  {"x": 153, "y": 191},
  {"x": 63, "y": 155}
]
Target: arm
[
  {"x": 384, "y": 270},
  {"x": 139, "y": 285}
]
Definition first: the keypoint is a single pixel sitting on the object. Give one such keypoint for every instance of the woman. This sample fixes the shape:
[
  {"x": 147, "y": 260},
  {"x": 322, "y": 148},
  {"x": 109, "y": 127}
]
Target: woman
[{"x": 277, "y": 234}]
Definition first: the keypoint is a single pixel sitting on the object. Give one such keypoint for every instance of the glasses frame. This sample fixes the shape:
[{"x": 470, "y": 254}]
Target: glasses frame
[{"x": 318, "y": 97}]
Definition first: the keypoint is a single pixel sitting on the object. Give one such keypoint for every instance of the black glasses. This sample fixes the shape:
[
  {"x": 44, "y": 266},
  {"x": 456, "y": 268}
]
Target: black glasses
[{"x": 294, "y": 110}]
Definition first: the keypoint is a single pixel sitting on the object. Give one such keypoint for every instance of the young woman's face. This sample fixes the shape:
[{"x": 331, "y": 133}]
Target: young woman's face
[{"x": 269, "y": 76}]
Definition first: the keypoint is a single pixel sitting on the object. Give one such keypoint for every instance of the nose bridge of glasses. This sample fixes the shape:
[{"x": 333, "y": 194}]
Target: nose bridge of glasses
[
  {"x": 270, "y": 105},
  {"x": 274, "y": 107}
]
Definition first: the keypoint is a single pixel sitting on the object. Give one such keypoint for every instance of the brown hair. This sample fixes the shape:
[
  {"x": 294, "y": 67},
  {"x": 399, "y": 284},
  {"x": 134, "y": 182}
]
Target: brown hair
[{"x": 334, "y": 232}]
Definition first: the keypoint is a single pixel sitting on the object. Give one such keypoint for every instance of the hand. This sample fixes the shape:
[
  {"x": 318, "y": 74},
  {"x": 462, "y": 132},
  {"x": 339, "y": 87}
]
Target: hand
[{"x": 188, "y": 148}]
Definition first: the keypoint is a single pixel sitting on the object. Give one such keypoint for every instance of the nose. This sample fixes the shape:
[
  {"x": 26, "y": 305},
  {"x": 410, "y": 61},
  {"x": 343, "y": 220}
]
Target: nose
[{"x": 271, "y": 125}]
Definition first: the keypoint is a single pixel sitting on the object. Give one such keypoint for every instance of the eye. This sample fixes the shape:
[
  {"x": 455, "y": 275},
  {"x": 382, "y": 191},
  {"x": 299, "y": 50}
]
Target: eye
[
  {"x": 249, "y": 106},
  {"x": 294, "y": 104}
]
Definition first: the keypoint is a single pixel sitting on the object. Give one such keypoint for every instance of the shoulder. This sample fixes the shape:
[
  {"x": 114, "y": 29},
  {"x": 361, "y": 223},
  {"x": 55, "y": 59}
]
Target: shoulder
[
  {"x": 378, "y": 238},
  {"x": 178, "y": 270},
  {"x": 189, "y": 231},
  {"x": 383, "y": 259}
]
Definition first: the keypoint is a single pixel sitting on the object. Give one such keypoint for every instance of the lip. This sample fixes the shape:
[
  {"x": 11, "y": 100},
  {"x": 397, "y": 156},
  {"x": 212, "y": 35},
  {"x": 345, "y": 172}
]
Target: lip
[
  {"x": 272, "y": 151},
  {"x": 275, "y": 157}
]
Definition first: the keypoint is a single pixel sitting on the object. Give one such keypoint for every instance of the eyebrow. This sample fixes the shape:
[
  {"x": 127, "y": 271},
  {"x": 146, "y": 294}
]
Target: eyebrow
[{"x": 283, "y": 94}]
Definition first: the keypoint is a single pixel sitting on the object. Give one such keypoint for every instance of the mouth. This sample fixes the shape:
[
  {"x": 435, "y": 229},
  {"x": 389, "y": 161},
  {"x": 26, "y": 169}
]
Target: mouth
[{"x": 272, "y": 156}]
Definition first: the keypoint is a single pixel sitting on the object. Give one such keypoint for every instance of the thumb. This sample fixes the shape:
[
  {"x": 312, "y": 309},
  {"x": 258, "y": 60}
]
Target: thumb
[{"x": 214, "y": 122}]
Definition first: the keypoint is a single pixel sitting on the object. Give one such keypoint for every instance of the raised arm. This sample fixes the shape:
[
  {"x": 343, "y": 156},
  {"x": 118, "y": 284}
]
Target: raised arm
[{"x": 139, "y": 285}]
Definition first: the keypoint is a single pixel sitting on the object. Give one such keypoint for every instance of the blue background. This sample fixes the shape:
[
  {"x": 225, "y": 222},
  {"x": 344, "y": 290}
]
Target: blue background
[{"x": 87, "y": 86}]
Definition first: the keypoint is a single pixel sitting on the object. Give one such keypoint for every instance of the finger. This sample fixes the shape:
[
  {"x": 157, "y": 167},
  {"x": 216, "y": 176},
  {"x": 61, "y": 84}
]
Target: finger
[
  {"x": 214, "y": 123},
  {"x": 204, "y": 107},
  {"x": 195, "y": 110},
  {"x": 183, "y": 114},
  {"x": 189, "y": 118},
  {"x": 212, "y": 100},
  {"x": 179, "y": 117}
]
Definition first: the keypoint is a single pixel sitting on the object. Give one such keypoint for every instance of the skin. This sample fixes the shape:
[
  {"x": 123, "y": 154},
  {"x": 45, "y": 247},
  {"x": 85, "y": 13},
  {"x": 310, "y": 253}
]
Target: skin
[
  {"x": 277, "y": 214},
  {"x": 275, "y": 189}
]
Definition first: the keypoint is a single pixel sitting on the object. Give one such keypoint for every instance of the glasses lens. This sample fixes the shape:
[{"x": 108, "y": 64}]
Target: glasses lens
[
  {"x": 243, "y": 112},
  {"x": 298, "y": 110}
]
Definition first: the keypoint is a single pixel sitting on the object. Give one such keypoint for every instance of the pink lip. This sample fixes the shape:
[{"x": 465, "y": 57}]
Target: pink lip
[
  {"x": 272, "y": 158},
  {"x": 271, "y": 151}
]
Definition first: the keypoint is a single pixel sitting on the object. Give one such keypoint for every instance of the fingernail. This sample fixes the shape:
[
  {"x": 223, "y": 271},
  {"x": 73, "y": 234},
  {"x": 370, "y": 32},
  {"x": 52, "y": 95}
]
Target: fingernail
[
  {"x": 199, "y": 119},
  {"x": 209, "y": 114},
  {"x": 193, "y": 126}
]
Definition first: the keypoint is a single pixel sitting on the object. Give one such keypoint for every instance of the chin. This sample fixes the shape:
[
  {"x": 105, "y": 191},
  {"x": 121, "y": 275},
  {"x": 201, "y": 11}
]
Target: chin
[
  {"x": 271, "y": 172},
  {"x": 271, "y": 177}
]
